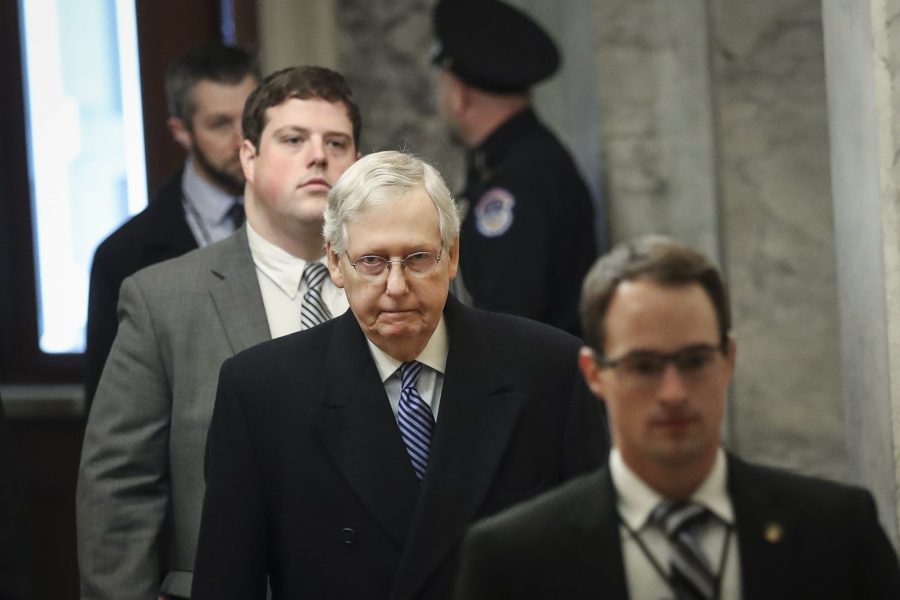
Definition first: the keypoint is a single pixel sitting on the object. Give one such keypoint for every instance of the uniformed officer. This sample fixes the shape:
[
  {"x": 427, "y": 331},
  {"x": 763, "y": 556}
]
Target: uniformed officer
[{"x": 527, "y": 237}]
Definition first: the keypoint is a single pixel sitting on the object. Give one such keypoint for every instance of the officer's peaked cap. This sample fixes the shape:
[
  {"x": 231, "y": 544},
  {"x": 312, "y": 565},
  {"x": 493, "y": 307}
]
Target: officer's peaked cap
[{"x": 492, "y": 46}]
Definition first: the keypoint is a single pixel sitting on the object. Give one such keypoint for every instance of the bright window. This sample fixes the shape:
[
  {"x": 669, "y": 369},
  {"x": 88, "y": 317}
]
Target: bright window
[{"x": 85, "y": 147}]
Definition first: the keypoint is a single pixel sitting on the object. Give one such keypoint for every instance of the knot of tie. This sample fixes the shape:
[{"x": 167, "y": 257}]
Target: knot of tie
[
  {"x": 314, "y": 311},
  {"x": 675, "y": 517},
  {"x": 414, "y": 417},
  {"x": 314, "y": 275}
]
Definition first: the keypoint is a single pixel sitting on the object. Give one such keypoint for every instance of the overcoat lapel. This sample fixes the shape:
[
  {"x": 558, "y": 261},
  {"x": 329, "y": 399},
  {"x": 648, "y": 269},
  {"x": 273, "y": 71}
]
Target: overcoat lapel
[
  {"x": 357, "y": 427},
  {"x": 764, "y": 530},
  {"x": 478, "y": 414},
  {"x": 236, "y": 296}
]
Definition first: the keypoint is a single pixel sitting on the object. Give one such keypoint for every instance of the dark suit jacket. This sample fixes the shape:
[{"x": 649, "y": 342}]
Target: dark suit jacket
[
  {"x": 157, "y": 233},
  {"x": 308, "y": 479},
  {"x": 566, "y": 544},
  {"x": 15, "y": 549}
]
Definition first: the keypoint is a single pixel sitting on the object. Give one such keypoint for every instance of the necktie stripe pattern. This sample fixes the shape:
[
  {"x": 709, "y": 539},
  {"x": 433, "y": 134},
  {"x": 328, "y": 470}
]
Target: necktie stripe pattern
[
  {"x": 692, "y": 576},
  {"x": 314, "y": 312},
  {"x": 415, "y": 419}
]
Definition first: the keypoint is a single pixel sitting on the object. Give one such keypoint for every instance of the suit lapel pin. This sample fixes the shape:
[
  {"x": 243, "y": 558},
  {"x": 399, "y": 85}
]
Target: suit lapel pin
[{"x": 773, "y": 532}]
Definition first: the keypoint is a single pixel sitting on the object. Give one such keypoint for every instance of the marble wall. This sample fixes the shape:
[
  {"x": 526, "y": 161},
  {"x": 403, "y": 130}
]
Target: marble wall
[
  {"x": 714, "y": 131},
  {"x": 776, "y": 231},
  {"x": 863, "y": 60},
  {"x": 657, "y": 120}
]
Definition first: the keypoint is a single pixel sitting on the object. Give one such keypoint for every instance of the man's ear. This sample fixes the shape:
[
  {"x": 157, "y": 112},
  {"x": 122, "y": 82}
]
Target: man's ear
[
  {"x": 593, "y": 374},
  {"x": 335, "y": 268},
  {"x": 453, "y": 258},
  {"x": 248, "y": 160},
  {"x": 181, "y": 133},
  {"x": 731, "y": 355}
]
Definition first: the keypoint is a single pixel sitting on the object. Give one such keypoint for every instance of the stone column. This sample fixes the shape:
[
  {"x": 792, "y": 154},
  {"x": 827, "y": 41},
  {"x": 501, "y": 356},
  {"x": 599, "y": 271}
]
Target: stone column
[
  {"x": 862, "y": 50},
  {"x": 657, "y": 120},
  {"x": 714, "y": 130},
  {"x": 296, "y": 33},
  {"x": 768, "y": 79}
]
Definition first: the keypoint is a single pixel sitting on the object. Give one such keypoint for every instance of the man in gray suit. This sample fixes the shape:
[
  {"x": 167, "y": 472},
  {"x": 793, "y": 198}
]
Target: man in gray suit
[{"x": 142, "y": 460}]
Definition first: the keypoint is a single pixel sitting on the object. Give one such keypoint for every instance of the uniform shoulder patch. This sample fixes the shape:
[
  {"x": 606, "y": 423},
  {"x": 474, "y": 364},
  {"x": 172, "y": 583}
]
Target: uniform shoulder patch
[{"x": 494, "y": 212}]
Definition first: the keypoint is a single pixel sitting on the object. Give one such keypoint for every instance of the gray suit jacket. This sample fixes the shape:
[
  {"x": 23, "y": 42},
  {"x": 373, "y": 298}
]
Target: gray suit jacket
[{"x": 142, "y": 459}]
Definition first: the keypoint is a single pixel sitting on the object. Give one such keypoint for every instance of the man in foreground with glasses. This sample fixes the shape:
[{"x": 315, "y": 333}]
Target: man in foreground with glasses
[
  {"x": 673, "y": 515},
  {"x": 346, "y": 461}
]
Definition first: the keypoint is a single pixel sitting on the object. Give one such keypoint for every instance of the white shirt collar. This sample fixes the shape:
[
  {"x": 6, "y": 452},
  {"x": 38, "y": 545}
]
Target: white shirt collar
[
  {"x": 209, "y": 201},
  {"x": 636, "y": 499},
  {"x": 434, "y": 354},
  {"x": 283, "y": 268}
]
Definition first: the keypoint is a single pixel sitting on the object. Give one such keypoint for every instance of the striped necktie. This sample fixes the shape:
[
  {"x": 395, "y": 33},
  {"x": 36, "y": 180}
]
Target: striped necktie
[
  {"x": 415, "y": 418},
  {"x": 313, "y": 312},
  {"x": 691, "y": 575}
]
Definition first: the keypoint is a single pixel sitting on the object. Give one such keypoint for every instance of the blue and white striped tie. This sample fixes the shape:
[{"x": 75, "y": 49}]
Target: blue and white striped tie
[
  {"x": 313, "y": 311},
  {"x": 414, "y": 418}
]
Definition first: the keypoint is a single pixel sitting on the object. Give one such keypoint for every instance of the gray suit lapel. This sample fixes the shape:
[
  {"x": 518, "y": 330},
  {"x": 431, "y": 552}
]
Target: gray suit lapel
[
  {"x": 357, "y": 428},
  {"x": 478, "y": 415},
  {"x": 234, "y": 288}
]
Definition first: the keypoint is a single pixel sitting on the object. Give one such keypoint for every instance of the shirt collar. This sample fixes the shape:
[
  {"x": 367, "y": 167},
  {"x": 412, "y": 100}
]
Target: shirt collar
[
  {"x": 434, "y": 354},
  {"x": 210, "y": 202},
  {"x": 636, "y": 499},
  {"x": 283, "y": 268}
]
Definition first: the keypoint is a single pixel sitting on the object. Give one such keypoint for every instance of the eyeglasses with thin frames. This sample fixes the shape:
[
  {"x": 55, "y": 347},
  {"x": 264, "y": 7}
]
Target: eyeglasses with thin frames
[
  {"x": 417, "y": 264},
  {"x": 644, "y": 369}
]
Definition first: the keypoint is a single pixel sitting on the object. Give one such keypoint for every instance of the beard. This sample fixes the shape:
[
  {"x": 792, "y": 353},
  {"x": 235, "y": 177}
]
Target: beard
[{"x": 230, "y": 182}]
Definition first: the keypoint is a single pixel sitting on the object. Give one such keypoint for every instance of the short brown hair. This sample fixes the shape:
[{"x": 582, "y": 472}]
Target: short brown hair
[
  {"x": 216, "y": 62},
  {"x": 302, "y": 83},
  {"x": 657, "y": 259}
]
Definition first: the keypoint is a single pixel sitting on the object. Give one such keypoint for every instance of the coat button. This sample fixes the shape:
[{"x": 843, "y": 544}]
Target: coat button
[{"x": 348, "y": 535}]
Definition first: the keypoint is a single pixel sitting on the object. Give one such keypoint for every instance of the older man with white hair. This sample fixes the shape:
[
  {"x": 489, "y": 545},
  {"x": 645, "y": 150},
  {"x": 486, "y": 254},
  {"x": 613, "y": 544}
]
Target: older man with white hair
[{"x": 346, "y": 461}]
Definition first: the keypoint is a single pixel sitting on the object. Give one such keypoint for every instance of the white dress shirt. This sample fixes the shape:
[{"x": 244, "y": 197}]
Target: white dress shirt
[
  {"x": 280, "y": 276},
  {"x": 206, "y": 207},
  {"x": 431, "y": 379},
  {"x": 636, "y": 501}
]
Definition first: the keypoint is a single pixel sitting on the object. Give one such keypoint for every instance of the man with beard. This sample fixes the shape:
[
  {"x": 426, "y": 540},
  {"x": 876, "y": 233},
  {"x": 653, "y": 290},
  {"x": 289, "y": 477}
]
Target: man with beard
[
  {"x": 200, "y": 204},
  {"x": 141, "y": 472}
]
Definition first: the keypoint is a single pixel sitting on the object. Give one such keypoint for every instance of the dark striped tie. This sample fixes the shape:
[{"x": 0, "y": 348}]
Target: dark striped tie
[
  {"x": 414, "y": 418},
  {"x": 691, "y": 577},
  {"x": 313, "y": 312}
]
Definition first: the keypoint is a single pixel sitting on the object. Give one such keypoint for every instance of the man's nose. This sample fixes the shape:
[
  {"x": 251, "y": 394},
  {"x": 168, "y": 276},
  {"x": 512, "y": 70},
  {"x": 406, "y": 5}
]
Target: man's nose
[
  {"x": 396, "y": 279},
  {"x": 671, "y": 384},
  {"x": 317, "y": 154},
  {"x": 237, "y": 135}
]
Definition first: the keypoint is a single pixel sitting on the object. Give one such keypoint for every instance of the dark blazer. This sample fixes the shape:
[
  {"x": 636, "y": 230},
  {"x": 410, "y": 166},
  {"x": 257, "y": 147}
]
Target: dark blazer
[
  {"x": 157, "y": 233},
  {"x": 566, "y": 543},
  {"x": 308, "y": 479}
]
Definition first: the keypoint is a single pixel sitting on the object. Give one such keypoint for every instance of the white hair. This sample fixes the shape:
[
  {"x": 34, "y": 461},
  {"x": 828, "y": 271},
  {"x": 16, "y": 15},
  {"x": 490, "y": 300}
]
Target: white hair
[{"x": 382, "y": 176}]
